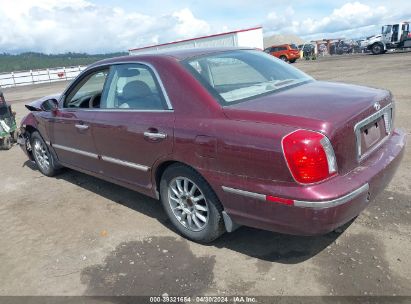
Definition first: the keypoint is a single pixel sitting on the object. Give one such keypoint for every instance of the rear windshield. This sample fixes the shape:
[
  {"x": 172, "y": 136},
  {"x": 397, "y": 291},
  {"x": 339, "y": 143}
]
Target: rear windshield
[{"x": 236, "y": 76}]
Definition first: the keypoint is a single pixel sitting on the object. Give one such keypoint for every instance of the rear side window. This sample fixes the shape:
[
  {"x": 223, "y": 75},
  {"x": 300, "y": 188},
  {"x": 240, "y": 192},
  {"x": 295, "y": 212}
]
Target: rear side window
[
  {"x": 244, "y": 72},
  {"x": 236, "y": 76},
  {"x": 132, "y": 86}
]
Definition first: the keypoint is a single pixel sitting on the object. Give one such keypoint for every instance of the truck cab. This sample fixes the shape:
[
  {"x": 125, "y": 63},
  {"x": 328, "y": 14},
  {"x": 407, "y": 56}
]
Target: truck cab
[{"x": 392, "y": 36}]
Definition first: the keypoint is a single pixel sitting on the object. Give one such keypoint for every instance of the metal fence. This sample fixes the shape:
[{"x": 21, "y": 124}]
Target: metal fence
[{"x": 21, "y": 78}]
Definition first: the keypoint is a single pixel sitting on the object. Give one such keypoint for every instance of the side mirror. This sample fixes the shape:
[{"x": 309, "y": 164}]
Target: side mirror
[{"x": 49, "y": 105}]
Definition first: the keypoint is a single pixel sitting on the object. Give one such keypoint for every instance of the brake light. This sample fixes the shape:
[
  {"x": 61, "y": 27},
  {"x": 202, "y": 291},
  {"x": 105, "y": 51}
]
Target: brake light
[{"x": 309, "y": 156}]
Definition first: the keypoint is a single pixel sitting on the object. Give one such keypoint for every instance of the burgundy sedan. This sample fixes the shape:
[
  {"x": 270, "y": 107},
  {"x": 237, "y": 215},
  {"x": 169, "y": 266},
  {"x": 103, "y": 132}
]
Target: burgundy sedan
[{"x": 223, "y": 137}]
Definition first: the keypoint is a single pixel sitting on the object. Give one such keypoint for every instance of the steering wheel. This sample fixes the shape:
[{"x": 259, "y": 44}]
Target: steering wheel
[{"x": 91, "y": 101}]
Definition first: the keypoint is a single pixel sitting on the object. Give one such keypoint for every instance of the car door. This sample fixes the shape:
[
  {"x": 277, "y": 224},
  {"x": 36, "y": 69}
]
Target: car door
[
  {"x": 70, "y": 126},
  {"x": 395, "y": 33},
  {"x": 134, "y": 126}
]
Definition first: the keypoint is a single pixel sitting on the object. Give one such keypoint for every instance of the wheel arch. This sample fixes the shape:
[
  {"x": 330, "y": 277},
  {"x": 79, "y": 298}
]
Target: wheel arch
[
  {"x": 229, "y": 224},
  {"x": 159, "y": 171},
  {"x": 380, "y": 43},
  {"x": 162, "y": 167},
  {"x": 28, "y": 131}
]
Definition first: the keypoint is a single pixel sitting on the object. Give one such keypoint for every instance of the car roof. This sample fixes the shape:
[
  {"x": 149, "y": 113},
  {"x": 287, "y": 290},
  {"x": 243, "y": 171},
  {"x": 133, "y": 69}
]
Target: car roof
[{"x": 179, "y": 54}]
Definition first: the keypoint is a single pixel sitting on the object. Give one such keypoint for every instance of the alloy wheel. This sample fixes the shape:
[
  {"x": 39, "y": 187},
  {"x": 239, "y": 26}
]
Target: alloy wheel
[
  {"x": 188, "y": 203},
  {"x": 41, "y": 155}
]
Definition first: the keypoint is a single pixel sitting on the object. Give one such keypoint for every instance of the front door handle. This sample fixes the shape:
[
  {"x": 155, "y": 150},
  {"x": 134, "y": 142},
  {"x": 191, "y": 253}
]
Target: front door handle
[
  {"x": 155, "y": 135},
  {"x": 81, "y": 127}
]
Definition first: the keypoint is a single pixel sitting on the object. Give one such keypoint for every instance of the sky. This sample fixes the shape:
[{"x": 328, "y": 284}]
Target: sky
[{"x": 59, "y": 26}]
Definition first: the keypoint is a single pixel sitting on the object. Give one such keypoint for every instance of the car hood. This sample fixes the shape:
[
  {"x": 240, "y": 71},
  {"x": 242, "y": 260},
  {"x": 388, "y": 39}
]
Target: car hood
[{"x": 315, "y": 105}]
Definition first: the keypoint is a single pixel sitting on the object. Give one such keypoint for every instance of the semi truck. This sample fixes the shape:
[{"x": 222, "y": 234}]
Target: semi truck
[{"x": 393, "y": 36}]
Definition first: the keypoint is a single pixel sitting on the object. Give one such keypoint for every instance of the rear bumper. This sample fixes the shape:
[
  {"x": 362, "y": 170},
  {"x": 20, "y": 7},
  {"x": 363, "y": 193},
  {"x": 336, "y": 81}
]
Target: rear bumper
[
  {"x": 293, "y": 56},
  {"x": 317, "y": 209}
]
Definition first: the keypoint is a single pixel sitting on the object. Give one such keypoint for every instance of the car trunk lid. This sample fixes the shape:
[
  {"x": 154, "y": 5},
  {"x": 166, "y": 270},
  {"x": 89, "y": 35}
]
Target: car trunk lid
[{"x": 344, "y": 113}]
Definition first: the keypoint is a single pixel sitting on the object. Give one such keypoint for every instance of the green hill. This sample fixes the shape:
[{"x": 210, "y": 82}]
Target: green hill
[{"x": 33, "y": 61}]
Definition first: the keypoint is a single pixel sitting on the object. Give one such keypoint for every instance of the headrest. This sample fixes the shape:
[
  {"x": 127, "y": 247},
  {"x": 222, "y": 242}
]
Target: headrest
[
  {"x": 128, "y": 72},
  {"x": 136, "y": 89}
]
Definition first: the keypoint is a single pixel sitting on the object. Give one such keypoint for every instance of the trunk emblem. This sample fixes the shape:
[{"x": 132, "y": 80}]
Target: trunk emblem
[{"x": 377, "y": 106}]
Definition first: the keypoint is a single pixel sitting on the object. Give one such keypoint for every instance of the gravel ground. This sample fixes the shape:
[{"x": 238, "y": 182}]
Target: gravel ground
[{"x": 78, "y": 235}]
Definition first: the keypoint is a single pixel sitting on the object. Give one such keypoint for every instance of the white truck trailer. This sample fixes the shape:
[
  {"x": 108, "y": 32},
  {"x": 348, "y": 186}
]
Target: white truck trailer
[{"x": 251, "y": 37}]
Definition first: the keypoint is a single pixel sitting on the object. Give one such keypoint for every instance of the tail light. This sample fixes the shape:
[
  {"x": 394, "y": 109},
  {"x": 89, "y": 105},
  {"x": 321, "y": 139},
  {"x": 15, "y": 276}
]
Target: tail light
[{"x": 309, "y": 156}]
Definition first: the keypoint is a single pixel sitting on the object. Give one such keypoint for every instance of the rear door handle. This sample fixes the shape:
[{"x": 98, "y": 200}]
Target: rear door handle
[
  {"x": 155, "y": 135},
  {"x": 81, "y": 127}
]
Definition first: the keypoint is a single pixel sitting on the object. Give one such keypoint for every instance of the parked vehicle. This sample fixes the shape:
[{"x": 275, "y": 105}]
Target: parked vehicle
[
  {"x": 223, "y": 138},
  {"x": 286, "y": 52},
  {"x": 308, "y": 51},
  {"x": 362, "y": 45},
  {"x": 341, "y": 47},
  {"x": 8, "y": 127},
  {"x": 393, "y": 36}
]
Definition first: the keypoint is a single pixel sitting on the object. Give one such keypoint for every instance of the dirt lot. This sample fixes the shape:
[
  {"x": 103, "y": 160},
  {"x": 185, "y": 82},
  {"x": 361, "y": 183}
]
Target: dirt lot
[{"x": 75, "y": 234}]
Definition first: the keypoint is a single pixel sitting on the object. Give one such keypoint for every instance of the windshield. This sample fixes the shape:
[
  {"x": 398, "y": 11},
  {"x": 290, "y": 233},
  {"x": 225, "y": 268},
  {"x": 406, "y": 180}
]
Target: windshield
[
  {"x": 236, "y": 76},
  {"x": 293, "y": 47}
]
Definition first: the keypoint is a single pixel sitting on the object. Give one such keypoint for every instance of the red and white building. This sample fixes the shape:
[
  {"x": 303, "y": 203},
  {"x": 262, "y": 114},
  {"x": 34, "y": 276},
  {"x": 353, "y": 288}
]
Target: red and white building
[{"x": 251, "y": 37}]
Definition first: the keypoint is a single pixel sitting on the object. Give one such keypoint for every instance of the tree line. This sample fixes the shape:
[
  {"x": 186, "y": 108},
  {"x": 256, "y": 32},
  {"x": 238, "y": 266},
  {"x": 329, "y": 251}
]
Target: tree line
[{"x": 32, "y": 61}]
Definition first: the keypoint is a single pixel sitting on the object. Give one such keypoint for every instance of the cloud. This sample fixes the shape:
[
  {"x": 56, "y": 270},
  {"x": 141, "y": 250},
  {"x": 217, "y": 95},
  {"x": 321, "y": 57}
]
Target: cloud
[
  {"x": 57, "y": 26},
  {"x": 350, "y": 16}
]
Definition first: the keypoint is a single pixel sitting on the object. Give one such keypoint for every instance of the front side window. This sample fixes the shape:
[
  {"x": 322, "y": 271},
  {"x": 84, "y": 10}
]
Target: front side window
[
  {"x": 87, "y": 93},
  {"x": 132, "y": 86},
  {"x": 386, "y": 29},
  {"x": 236, "y": 76}
]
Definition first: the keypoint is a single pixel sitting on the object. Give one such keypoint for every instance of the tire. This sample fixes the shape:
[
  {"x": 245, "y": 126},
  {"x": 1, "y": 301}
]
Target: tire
[
  {"x": 6, "y": 143},
  {"x": 44, "y": 159},
  {"x": 292, "y": 61},
  {"x": 283, "y": 58},
  {"x": 200, "y": 221},
  {"x": 377, "y": 49}
]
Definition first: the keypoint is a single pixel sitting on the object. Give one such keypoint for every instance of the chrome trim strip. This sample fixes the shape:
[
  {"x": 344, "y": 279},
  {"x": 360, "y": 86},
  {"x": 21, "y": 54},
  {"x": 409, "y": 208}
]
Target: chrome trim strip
[
  {"x": 92, "y": 155},
  {"x": 244, "y": 193},
  {"x": 104, "y": 158},
  {"x": 113, "y": 110},
  {"x": 305, "y": 204},
  {"x": 125, "y": 163},
  {"x": 362, "y": 123},
  {"x": 335, "y": 202}
]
